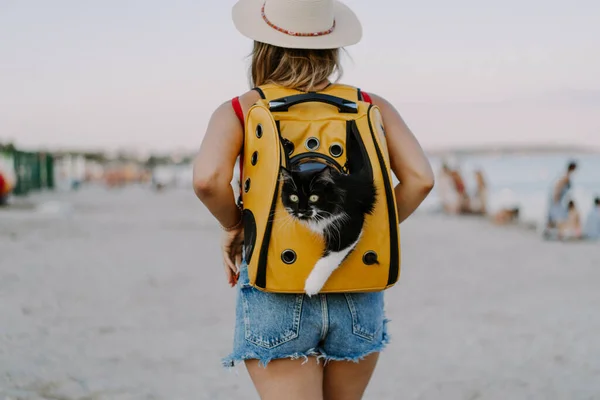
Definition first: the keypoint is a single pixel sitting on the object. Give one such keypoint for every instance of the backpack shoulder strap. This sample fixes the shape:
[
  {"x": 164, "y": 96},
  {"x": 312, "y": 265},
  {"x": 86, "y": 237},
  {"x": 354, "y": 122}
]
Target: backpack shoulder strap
[
  {"x": 271, "y": 92},
  {"x": 260, "y": 92},
  {"x": 348, "y": 92}
]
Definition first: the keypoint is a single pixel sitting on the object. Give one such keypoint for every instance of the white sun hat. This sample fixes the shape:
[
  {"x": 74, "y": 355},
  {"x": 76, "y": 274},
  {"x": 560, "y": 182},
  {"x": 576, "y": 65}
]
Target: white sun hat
[{"x": 298, "y": 24}]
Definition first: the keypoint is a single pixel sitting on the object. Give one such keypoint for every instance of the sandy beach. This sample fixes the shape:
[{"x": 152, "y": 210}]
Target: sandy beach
[{"x": 121, "y": 295}]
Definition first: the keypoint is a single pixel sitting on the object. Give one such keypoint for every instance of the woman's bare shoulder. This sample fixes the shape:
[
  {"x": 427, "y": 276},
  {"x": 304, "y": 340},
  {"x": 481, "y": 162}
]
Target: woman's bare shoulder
[{"x": 226, "y": 110}]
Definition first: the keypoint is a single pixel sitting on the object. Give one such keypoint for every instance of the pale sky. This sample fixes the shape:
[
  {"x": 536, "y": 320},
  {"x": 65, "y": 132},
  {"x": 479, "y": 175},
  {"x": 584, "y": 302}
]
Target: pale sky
[{"x": 148, "y": 73}]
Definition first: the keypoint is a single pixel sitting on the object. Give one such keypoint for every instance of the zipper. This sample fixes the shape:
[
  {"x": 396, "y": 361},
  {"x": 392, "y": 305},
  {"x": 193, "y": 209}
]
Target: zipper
[
  {"x": 282, "y": 140},
  {"x": 353, "y": 133},
  {"x": 393, "y": 220},
  {"x": 261, "y": 270}
]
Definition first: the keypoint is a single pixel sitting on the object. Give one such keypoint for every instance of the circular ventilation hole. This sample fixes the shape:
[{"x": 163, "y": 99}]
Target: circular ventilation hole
[
  {"x": 288, "y": 256},
  {"x": 259, "y": 131},
  {"x": 312, "y": 144},
  {"x": 247, "y": 185},
  {"x": 254, "y": 158},
  {"x": 370, "y": 258},
  {"x": 336, "y": 150},
  {"x": 288, "y": 146}
]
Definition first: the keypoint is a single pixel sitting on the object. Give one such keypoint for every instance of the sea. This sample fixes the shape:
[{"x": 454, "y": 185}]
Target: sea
[{"x": 525, "y": 181}]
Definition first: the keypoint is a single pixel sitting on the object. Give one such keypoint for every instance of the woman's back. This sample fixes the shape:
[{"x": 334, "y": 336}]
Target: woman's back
[{"x": 297, "y": 346}]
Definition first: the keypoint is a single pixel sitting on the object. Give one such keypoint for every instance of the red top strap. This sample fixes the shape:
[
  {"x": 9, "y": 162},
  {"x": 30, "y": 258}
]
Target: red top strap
[
  {"x": 366, "y": 97},
  {"x": 237, "y": 107}
]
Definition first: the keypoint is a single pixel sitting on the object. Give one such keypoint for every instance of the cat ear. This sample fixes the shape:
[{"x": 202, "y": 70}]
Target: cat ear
[
  {"x": 326, "y": 176},
  {"x": 285, "y": 174}
]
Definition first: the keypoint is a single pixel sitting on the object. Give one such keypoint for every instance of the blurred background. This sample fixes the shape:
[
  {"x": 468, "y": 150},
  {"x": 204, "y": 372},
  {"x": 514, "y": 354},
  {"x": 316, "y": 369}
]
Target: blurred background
[{"x": 110, "y": 282}]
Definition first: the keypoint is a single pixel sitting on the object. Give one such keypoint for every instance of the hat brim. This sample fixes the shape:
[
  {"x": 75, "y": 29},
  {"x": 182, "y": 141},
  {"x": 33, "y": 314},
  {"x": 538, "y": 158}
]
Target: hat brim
[{"x": 248, "y": 20}]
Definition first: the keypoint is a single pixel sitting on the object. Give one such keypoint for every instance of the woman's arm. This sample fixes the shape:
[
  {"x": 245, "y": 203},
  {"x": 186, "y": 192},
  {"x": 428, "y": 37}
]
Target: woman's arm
[
  {"x": 408, "y": 161},
  {"x": 213, "y": 166}
]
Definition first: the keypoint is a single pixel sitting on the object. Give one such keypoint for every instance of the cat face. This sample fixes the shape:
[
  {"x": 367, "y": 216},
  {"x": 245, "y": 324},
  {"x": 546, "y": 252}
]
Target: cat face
[{"x": 311, "y": 196}]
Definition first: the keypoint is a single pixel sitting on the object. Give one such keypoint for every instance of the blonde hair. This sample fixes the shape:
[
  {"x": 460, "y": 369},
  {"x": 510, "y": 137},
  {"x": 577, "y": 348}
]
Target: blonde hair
[{"x": 301, "y": 69}]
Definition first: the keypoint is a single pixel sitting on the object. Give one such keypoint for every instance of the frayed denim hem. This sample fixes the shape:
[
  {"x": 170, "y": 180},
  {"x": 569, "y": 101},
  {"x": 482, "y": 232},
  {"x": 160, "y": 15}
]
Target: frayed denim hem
[
  {"x": 230, "y": 361},
  {"x": 359, "y": 356}
]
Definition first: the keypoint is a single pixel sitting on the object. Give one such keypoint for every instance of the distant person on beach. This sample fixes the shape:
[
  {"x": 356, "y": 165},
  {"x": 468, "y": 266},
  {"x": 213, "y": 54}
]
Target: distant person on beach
[
  {"x": 446, "y": 189},
  {"x": 558, "y": 211},
  {"x": 454, "y": 195},
  {"x": 478, "y": 204},
  {"x": 570, "y": 228},
  {"x": 506, "y": 216},
  {"x": 323, "y": 347},
  {"x": 592, "y": 223},
  {"x": 464, "y": 203}
]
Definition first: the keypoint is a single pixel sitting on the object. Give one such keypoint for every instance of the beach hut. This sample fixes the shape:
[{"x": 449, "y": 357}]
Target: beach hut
[{"x": 22, "y": 172}]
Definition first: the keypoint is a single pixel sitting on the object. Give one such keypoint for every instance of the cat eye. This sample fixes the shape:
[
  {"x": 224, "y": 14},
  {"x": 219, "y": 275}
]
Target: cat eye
[
  {"x": 314, "y": 198},
  {"x": 294, "y": 198}
]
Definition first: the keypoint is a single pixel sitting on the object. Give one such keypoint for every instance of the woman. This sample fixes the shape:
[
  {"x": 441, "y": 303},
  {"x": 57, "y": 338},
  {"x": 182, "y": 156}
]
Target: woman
[
  {"x": 315, "y": 364},
  {"x": 479, "y": 201},
  {"x": 464, "y": 203},
  {"x": 557, "y": 211},
  {"x": 446, "y": 188}
]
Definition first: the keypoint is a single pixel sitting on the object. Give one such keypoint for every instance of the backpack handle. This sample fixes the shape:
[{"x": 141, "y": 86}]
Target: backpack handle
[{"x": 284, "y": 103}]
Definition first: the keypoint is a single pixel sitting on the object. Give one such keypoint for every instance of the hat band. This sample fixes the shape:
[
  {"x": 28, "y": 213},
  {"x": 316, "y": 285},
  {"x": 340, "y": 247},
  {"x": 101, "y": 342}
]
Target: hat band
[{"x": 272, "y": 25}]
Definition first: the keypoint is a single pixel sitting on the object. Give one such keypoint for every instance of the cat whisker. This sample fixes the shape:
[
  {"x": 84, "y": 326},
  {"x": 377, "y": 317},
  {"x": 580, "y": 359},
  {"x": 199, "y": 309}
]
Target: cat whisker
[
  {"x": 277, "y": 212},
  {"x": 334, "y": 228},
  {"x": 289, "y": 221},
  {"x": 325, "y": 212},
  {"x": 287, "y": 218},
  {"x": 279, "y": 215}
]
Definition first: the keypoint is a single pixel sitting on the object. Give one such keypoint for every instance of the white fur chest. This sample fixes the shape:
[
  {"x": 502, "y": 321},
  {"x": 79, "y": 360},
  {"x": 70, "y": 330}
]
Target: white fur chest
[{"x": 319, "y": 226}]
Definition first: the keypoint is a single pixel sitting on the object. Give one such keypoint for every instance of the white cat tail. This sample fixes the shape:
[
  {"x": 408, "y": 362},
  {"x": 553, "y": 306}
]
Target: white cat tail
[{"x": 325, "y": 267}]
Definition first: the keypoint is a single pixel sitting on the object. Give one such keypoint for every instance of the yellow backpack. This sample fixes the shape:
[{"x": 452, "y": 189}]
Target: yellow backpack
[{"x": 281, "y": 130}]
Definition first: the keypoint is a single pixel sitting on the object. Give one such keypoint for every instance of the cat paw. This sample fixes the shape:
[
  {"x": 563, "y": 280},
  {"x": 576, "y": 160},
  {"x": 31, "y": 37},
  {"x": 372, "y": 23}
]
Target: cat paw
[{"x": 313, "y": 285}]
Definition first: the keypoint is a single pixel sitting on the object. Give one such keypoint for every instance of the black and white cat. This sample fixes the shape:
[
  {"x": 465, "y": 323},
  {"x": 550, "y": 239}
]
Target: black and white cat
[{"x": 334, "y": 206}]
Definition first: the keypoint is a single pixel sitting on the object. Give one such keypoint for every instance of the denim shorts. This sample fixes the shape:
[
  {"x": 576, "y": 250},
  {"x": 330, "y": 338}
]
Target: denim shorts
[{"x": 330, "y": 327}]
